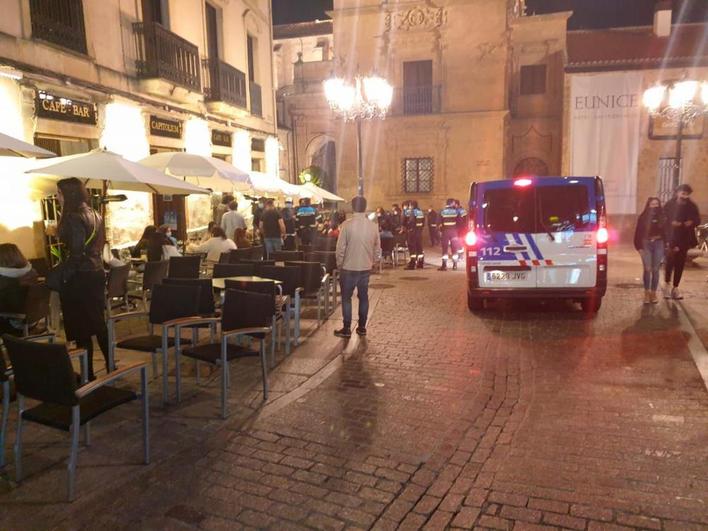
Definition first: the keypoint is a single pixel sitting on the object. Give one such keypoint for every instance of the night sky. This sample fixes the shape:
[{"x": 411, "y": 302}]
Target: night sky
[{"x": 587, "y": 13}]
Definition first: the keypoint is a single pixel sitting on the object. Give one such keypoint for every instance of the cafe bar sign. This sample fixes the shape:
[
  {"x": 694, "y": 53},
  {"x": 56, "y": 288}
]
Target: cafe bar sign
[
  {"x": 67, "y": 109},
  {"x": 164, "y": 127},
  {"x": 221, "y": 138}
]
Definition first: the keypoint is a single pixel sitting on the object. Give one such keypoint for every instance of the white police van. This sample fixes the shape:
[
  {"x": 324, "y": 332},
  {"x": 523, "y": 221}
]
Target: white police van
[{"x": 537, "y": 237}]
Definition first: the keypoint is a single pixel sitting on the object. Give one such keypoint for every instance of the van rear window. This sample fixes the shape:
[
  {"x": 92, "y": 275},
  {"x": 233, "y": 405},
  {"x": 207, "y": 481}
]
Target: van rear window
[
  {"x": 538, "y": 209},
  {"x": 509, "y": 210},
  {"x": 563, "y": 208}
]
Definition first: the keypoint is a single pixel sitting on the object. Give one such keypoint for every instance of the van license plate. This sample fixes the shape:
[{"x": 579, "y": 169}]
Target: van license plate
[{"x": 492, "y": 276}]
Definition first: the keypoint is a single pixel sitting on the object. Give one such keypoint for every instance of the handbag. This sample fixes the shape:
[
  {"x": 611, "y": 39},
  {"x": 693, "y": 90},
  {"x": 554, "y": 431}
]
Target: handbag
[{"x": 61, "y": 274}]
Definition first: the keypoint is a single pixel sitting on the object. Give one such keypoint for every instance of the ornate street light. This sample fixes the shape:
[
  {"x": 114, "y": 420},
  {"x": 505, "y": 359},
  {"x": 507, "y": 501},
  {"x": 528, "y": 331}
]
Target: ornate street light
[
  {"x": 680, "y": 102},
  {"x": 367, "y": 99}
]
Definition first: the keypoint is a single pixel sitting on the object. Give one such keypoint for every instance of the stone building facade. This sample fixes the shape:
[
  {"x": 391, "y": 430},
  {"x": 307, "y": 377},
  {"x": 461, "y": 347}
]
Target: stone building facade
[{"x": 150, "y": 75}]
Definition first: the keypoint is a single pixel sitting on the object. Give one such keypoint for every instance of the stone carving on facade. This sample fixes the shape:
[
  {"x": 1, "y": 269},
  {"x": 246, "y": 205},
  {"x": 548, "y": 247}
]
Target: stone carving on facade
[
  {"x": 487, "y": 49},
  {"x": 416, "y": 19}
]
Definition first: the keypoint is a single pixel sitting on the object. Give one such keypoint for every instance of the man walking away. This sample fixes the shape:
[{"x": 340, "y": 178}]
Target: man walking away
[
  {"x": 433, "y": 227},
  {"x": 681, "y": 219},
  {"x": 358, "y": 247},
  {"x": 416, "y": 223},
  {"x": 232, "y": 220},
  {"x": 222, "y": 208},
  {"x": 272, "y": 228},
  {"x": 288, "y": 214}
]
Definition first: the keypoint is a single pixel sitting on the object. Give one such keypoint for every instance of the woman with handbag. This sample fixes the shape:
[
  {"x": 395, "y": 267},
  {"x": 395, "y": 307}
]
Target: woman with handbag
[{"x": 82, "y": 281}]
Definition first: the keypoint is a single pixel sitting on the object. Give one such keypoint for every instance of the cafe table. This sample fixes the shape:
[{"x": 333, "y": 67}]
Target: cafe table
[{"x": 220, "y": 283}]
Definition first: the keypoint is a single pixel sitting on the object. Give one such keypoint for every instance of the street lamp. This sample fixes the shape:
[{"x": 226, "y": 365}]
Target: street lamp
[
  {"x": 681, "y": 102},
  {"x": 367, "y": 99}
]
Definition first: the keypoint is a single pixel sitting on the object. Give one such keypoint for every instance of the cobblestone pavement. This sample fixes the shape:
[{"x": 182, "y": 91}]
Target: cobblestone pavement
[{"x": 530, "y": 416}]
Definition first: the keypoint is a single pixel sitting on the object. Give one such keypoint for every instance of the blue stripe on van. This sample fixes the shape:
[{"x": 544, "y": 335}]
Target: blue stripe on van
[
  {"x": 534, "y": 247},
  {"x": 518, "y": 240}
]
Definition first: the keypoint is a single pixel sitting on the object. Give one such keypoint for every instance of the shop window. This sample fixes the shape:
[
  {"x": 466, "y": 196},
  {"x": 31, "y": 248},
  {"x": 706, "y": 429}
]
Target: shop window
[
  {"x": 417, "y": 175},
  {"x": 257, "y": 164},
  {"x": 533, "y": 79}
]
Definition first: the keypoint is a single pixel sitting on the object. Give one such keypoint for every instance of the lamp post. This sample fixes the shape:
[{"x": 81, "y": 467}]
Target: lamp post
[
  {"x": 680, "y": 102},
  {"x": 367, "y": 99}
]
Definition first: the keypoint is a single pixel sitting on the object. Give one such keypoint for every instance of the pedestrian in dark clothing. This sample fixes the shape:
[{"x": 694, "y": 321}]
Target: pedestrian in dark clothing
[
  {"x": 272, "y": 228},
  {"x": 680, "y": 232},
  {"x": 82, "y": 296},
  {"x": 649, "y": 241},
  {"x": 433, "y": 229},
  {"x": 288, "y": 214}
]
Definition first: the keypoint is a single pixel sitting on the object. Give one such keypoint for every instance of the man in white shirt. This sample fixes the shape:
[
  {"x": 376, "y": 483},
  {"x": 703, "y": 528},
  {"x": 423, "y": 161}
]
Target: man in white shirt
[
  {"x": 232, "y": 220},
  {"x": 358, "y": 247}
]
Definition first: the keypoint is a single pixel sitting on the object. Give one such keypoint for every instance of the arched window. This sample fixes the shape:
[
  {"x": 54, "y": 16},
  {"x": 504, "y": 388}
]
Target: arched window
[{"x": 531, "y": 166}]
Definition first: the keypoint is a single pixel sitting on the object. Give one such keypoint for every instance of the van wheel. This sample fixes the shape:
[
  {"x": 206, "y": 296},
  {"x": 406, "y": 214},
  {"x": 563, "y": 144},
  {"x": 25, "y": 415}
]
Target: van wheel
[
  {"x": 475, "y": 304},
  {"x": 591, "y": 305}
]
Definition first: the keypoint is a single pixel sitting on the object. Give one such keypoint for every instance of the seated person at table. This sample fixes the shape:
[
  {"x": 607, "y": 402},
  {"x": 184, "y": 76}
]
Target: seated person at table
[
  {"x": 167, "y": 231},
  {"x": 242, "y": 240},
  {"x": 208, "y": 234},
  {"x": 214, "y": 246},
  {"x": 16, "y": 274},
  {"x": 144, "y": 241},
  {"x": 161, "y": 248}
]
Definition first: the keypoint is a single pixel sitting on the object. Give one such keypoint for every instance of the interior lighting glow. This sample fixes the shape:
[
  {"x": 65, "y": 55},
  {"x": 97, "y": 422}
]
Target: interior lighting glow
[
  {"x": 124, "y": 131},
  {"x": 523, "y": 182},
  {"x": 197, "y": 139},
  {"x": 682, "y": 93},
  {"x": 272, "y": 156},
  {"x": 242, "y": 150},
  {"x": 602, "y": 235},
  {"x": 653, "y": 97}
]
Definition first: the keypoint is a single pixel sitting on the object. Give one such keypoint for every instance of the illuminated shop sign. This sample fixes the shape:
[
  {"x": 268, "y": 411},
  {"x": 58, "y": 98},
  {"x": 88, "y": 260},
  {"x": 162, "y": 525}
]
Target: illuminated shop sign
[
  {"x": 164, "y": 127},
  {"x": 62, "y": 108},
  {"x": 220, "y": 138}
]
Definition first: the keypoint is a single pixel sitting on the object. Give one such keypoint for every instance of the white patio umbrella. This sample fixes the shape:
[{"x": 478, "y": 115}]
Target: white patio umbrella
[
  {"x": 201, "y": 170},
  {"x": 99, "y": 167},
  {"x": 263, "y": 183},
  {"x": 322, "y": 194},
  {"x": 13, "y": 147}
]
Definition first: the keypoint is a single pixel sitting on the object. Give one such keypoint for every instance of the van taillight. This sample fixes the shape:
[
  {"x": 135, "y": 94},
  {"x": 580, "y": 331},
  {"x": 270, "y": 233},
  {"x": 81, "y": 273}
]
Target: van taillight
[
  {"x": 471, "y": 239},
  {"x": 602, "y": 235}
]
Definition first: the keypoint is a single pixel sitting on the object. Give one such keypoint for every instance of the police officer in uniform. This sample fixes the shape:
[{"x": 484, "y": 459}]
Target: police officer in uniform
[
  {"x": 306, "y": 221},
  {"x": 415, "y": 222},
  {"x": 449, "y": 219},
  {"x": 433, "y": 229}
]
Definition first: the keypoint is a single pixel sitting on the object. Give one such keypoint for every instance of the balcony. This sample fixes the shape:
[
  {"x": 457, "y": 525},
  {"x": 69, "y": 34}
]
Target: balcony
[
  {"x": 424, "y": 99},
  {"x": 224, "y": 87},
  {"x": 256, "y": 101},
  {"x": 60, "y": 22},
  {"x": 163, "y": 55}
]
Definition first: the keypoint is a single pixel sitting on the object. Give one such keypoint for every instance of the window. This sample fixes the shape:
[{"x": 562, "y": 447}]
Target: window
[
  {"x": 60, "y": 22},
  {"x": 418, "y": 87},
  {"x": 251, "y": 50},
  {"x": 533, "y": 79},
  {"x": 509, "y": 210},
  {"x": 563, "y": 208},
  {"x": 418, "y": 175}
]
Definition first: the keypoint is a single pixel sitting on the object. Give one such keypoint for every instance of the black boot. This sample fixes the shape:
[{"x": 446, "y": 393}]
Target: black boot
[
  {"x": 411, "y": 264},
  {"x": 421, "y": 262},
  {"x": 454, "y": 265},
  {"x": 443, "y": 267}
]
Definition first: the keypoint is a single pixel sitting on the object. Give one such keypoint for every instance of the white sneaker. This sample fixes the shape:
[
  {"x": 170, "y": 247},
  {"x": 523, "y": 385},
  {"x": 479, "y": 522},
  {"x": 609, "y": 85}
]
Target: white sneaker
[
  {"x": 676, "y": 294},
  {"x": 667, "y": 291}
]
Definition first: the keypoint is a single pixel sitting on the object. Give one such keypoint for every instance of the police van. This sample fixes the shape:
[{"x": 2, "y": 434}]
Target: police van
[{"x": 537, "y": 237}]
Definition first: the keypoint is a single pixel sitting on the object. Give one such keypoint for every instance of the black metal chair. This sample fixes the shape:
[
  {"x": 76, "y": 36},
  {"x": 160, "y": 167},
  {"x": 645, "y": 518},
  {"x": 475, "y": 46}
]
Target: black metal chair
[
  {"x": 400, "y": 247},
  {"x": 257, "y": 252},
  {"x": 40, "y": 265},
  {"x": 117, "y": 288},
  {"x": 315, "y": 282},
  {"x": 279, "y": 314},
  {"x": 184, "y": 266},
  {"x": 325, "y": 244},
  {"x": 169, "y": 305},
  {"x": 243, "y": 314},
  {"x": 44, "y": 372},
  {"x": 238, "y": 255},
  {"x": 284, "y": 256},
  {"x": 328, "y": 259},
  {"x": 225, "y": 258},
  {"x": 153, "y": 274},
  {"x": 292, "y": 286},
  {"x": 240, "y": 269},
  {"x": 35, "y": 309}
]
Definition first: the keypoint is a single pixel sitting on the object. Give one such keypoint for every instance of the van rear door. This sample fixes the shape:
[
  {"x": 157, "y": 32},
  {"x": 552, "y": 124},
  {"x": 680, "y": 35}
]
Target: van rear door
[
  {"x": 505, "y": 214},
  {"x": 564, "y": 244}
]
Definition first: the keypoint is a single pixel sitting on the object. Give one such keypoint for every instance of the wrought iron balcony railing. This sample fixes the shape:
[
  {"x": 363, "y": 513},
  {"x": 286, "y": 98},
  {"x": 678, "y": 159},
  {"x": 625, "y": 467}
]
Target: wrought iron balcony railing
[
  {"x": 163, "y": 54},
  {"x": 223, "y": 82},
  {"x": 59, "y": 22},
  {"x": 256, "y": 101}
]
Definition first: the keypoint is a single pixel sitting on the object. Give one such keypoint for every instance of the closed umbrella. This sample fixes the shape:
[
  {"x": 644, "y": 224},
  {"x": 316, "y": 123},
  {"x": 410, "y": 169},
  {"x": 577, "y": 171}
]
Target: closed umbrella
[
  {"x": 201, "y": 170},
  {"x": 322, "y": 194},
  {"x": 99, "y": 167},
  {"x": 13, "y": 147}
]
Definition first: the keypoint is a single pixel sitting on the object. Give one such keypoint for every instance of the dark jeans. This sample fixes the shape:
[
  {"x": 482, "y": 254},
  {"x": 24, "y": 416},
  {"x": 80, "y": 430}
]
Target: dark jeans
[
  {"x": 348, "y": 281},
  {"x": 675, "y": 262}
]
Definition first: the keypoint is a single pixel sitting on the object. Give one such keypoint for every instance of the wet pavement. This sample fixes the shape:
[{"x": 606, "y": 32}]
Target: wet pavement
[{"x": 527, "y": 416}]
